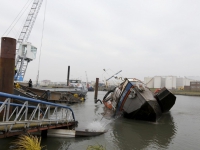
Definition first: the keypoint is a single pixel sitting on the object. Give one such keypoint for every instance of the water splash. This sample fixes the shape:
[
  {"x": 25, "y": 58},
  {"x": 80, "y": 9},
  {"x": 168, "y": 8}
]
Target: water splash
[{"x": 97, "y": 126}]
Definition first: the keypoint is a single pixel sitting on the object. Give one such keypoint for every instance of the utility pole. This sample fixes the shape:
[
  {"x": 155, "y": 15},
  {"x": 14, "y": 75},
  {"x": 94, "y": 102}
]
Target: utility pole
[
  {"x": 68, "y": 73},
  {"x": 86, "y": 79}
]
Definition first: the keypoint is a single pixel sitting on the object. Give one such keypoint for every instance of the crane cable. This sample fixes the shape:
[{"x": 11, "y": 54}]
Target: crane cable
[
  {"x": 41, "y": 44},
  {"x": 22, "y": 11}
]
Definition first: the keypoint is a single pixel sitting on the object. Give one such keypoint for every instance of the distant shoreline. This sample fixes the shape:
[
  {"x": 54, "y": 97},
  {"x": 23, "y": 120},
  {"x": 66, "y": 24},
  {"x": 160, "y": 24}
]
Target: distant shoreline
[
  {"x": 182, "y": 92},
  {"x": 175, "y": 92},
  {"x": 186, "y": 93}
]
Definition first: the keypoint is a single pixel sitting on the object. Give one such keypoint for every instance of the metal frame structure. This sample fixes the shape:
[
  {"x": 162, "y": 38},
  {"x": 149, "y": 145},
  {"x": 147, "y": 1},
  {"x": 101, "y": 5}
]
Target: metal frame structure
[
  {"x": 22, "y": 62},
  {"x": 20, "y": 118}
]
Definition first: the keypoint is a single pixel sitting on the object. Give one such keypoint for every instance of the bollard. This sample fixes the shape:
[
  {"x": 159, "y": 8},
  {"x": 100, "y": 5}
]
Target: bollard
[
  {"x": 96, "y": 90},
  {"x": 7, "y": 65},
  {"x": 68, "y": 73}
]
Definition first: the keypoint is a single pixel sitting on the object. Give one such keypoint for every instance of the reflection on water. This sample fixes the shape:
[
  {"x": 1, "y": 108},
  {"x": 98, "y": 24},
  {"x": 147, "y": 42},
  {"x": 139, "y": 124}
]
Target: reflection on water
[{"x": 141, "y": 134}]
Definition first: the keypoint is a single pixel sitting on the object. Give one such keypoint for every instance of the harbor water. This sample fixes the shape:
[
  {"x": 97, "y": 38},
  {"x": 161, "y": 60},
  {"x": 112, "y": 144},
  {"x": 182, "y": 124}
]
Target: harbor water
[{"x": 178, "y": 129}]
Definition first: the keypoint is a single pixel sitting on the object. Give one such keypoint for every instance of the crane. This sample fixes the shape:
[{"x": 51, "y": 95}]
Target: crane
[
  {"x": 111, "y": 76},
  {"x": 114, "y": 75},
  {"x": 26, "y": 52}
]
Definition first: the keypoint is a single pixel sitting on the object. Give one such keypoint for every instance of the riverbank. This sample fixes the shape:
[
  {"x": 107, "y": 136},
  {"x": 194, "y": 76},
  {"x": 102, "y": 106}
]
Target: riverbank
[
  {"x": 182, "y": 92},
  {"x": 187, "y": 93},
  {"x": 175, "y": 92}
]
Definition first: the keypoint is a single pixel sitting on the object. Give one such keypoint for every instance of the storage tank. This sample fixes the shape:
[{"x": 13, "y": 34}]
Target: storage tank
[
  {"x": 179, "y": 83},
  {"x": 187, "y": 81},
  {"x": 149, "y": 81},
  {"x": 157, "y": 82},
  {"x": 170, "y": 82},
  {"x": 174, "y": 82},
  {"x": 163, "y": 82}
]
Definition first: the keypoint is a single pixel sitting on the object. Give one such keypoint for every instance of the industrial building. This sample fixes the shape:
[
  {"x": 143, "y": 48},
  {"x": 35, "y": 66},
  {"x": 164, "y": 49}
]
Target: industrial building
[{"x": 171, "y": 82}]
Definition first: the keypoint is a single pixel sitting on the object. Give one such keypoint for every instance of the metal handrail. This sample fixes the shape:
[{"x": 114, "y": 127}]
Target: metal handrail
[{"x": 35, "y": 101}]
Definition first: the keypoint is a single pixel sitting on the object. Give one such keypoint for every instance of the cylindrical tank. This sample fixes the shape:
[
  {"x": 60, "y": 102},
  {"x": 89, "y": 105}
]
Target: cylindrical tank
[
  {"x": 157, "y": 82},
  {"x": 149, "y": 81},
  {"x": 170, "y": 82}
]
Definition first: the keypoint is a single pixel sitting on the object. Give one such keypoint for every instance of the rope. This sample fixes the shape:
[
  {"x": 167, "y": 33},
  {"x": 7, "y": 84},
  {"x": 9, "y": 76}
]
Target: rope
[
  {"x": 22, "y": 11},
  {"x": 41, "y": 43}
]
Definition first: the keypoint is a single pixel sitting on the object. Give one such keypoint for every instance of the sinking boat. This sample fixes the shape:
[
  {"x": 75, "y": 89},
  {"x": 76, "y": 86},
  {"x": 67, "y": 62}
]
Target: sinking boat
[{"x": 134, "y": 100}]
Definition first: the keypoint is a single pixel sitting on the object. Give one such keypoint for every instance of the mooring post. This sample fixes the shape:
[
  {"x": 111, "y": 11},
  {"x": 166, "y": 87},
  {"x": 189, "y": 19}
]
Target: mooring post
[
  {"x": 7, "y": 65},
  {"x": 96, "y": 90},
  {"x": 68, "y": 73}
]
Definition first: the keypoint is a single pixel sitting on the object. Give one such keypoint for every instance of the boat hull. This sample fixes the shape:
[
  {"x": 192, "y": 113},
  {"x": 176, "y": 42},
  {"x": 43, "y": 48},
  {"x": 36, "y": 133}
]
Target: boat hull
[
  {"x": 138, "y": 102},
  {"x": 139, "y": 105},
  {"x": 146, "y": 112},
  {"x": 165, "y": 99}
]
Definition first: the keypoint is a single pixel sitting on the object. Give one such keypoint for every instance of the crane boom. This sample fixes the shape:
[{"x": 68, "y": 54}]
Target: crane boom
[
  {"x": 113, "y": 75},
  {"x": 30, "y": 20},
  {"x": 21, "y": 57}
]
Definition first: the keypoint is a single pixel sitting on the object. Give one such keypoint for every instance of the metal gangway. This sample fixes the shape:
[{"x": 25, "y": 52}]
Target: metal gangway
[{"x": 21, "y": 116}]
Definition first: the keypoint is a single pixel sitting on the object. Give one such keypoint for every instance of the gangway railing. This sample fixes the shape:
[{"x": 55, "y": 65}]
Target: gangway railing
[{"x": 18, "y": 118}]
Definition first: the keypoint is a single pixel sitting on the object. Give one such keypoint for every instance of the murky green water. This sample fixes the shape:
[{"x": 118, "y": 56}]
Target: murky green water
[{"x": 179, "y": 129}]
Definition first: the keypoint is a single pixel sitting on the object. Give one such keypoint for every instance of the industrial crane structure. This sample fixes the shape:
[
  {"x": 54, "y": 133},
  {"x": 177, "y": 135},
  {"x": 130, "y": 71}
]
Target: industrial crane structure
[
  {"x": 25, "y": 51},
  {"x": 113, "y": 75}
]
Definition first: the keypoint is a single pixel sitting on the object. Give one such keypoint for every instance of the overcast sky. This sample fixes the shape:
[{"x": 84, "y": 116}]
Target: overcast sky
[{"x": 140, "y": 37}]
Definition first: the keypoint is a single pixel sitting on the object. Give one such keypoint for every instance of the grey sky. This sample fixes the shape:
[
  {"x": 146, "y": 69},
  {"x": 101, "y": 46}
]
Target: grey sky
[{"x": 141, "y": 38}]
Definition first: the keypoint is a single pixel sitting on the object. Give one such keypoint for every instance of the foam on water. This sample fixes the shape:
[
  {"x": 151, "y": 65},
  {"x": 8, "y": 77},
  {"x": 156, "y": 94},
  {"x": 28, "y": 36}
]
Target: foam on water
[{"x": 97, "y": 126}]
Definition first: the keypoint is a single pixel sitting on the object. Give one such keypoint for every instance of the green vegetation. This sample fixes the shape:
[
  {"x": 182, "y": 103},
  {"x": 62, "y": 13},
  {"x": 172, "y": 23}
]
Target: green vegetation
[
  {"x": 188, "y": 93},
  {"x": 28, "y": 142},
  {"x": 95, "y": 147}
]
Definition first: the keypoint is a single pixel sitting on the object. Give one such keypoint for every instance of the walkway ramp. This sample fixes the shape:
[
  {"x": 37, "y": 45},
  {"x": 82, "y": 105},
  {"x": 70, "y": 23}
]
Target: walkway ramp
[{"x": 21, "y": 118}]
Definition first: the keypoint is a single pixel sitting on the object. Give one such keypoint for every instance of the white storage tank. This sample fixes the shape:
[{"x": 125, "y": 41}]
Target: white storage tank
[
  {"x": 170, "y": 82},
  {"x": 179, "y": 83},
  {"x": 149, "y": 81},
  {"x": 187, "y": 80},
  {"x": 163, "y": 82},
  {"x": 157, "y": 82}
]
